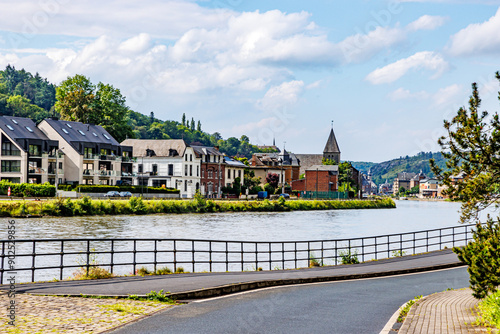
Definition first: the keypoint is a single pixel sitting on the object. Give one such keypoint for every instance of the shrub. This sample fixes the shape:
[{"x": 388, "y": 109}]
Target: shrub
[
  {"x": 27, "y": 189},
  {"x": 84, "y": 188},
  {"x": 348, "y": 257},
  {"x": 163, "y": 271},
  {"x": 136, "y": 205}
]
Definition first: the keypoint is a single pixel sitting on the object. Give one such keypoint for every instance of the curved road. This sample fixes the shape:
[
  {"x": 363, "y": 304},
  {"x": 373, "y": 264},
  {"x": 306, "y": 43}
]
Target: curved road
[{"x": 358, "y": 306}]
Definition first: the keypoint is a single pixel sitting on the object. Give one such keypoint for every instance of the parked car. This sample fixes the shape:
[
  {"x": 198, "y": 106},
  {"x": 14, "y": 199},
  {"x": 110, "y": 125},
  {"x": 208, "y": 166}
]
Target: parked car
[
  {"x": 112, "y": 194},
  {"x": 125, "y": 194},
  {"x": 285, "y": 195}
]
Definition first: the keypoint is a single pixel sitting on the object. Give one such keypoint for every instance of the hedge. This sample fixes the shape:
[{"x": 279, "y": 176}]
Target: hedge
[
  {"x": 27, "y": 189},
  {"x": 133, "y": 189}
]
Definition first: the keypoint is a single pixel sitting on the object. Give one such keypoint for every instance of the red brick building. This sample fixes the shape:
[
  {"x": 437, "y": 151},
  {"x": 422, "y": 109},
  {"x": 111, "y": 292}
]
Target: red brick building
[
  {"x": 213, "y": 170},
  {"x": 322, "y": 178}
]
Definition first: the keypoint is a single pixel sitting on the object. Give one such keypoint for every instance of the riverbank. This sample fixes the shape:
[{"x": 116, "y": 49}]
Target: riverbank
[{"x": 136, "y": 205}]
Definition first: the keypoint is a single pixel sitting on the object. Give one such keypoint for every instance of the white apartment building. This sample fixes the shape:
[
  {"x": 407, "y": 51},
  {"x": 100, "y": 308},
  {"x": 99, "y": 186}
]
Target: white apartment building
[{"x": 165, "y": 162}]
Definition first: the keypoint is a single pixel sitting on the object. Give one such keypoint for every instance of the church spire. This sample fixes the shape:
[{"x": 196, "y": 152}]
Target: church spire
[{"x": 332, "y": 151}]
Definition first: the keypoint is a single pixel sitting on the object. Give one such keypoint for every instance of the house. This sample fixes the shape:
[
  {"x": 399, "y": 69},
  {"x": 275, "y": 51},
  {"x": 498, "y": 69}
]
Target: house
[
  {"x": 285, "y": 164},
  {"x": 213, "y": 168},
  {"x": 402, "y": 181},
  {"x": 385, "y": 188},
  {"x": 234, "y": 169},
  {"x": 91, "y": 154},
  {"x": 429, "y": 188},
  {"x": 28, "y": 155},
  {"x": 166, "y": 162},
  {"x": 318, "y": 178},
  {"x": 367, "y": 185}
]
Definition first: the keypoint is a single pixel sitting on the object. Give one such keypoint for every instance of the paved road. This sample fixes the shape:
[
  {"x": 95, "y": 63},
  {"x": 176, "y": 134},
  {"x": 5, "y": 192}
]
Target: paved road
[
  {"x": 201, "y": 285},
  {"x": 358, "y": 306}
]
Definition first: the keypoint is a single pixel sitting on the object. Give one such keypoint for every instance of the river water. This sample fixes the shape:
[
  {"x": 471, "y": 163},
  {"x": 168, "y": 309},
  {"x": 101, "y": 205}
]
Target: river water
[
  {"x": 409, "y": 216},
  {"x": 248, "y": 226}
]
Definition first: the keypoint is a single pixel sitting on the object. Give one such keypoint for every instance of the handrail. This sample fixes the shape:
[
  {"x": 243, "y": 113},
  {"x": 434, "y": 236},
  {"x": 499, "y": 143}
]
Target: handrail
[{"x": 43, "y": 258}]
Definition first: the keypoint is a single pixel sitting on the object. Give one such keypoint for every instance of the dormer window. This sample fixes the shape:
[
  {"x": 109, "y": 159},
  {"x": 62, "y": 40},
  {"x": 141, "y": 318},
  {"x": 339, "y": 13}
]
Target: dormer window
[
  {"x": 14, "y": 121},
  {"x": 81, "y": 132},
  {"x": 65, "y": 131},
  {"x": 29, "y": 129},
  {"x": 10, "y": 127},
  {"x": 69, "y": 125}
]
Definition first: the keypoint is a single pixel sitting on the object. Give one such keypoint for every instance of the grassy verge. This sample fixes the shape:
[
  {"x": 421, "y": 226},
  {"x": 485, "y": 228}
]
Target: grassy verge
[
  {"x": 136, "y": 205},
  {"x": 489, "y": 312}
]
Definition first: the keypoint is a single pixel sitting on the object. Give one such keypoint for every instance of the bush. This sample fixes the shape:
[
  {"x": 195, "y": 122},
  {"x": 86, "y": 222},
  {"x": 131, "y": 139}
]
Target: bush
[
  {"x": 65, "y": 187},
  {"x": 27, "y": 189},
  {"x": 483, "y": 258},
  {"x": 348, "y": 257},
  {"x": 136, "y": 205},
  {"x": 84, "y": 188}
]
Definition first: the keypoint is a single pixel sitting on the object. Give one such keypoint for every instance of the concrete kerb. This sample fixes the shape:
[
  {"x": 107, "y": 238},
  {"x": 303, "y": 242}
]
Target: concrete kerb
[{"x": 247, "y": 286}]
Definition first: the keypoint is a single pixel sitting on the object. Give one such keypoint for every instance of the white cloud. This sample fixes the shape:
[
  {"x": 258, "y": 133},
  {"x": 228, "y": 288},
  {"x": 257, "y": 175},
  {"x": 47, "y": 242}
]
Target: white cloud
[
  {"x": 421, "y": 60},
  {"x": 281, "y": 96},
  {"x": 405, "y": 94},
  {"x": 427, "y": 22},
  {"x": 477, "y": 38},
  {"x": 451, "y": 95}
]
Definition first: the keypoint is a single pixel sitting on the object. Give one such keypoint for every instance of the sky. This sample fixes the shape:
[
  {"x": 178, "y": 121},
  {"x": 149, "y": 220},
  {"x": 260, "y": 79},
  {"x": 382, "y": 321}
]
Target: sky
[{"x": 387, "y": 73}]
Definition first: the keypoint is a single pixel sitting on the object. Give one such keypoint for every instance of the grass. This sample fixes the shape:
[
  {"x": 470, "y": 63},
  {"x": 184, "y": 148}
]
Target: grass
[
  {"x": 124, "y": 308},
  {"x": 136, "y": 205},
  {"x": 404, "y": 311},
  {"x": 489, "y": 311}
]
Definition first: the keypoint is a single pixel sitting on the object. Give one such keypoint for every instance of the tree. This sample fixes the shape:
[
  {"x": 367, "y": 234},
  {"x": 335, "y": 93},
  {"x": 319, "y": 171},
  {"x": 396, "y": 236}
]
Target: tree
[
  {"x": 273, "y": 179},
  {"x": 81, "y": 101},
  {"x": 198, "y": 127},
  {"x": 183, "y": 119},
  {"x": 472, "y": 148},
  {"x": 192, "y": 124}
]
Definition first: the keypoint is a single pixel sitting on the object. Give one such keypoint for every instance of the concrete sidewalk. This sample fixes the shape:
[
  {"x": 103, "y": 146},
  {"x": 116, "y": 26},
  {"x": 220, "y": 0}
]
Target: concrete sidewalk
[
  {"x": 448, "y": 312},
  {"x": 204, "y": 285}
]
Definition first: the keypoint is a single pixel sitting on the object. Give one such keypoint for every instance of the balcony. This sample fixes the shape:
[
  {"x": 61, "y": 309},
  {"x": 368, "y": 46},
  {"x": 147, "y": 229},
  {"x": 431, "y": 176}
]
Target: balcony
[
  {"x": 129, "y": 174},
  {"x": 52, "y": 171},
  {"x": 110, "y": 158},
  {"x": 91, "y": 156},
  {"x": 11, "y": 170},
  {"x": 53, "y": 155},
  {"x": 129, "y": 159},
  {"x": 37, "y": 170},
  {"x": 90, "y": 172},
  {"x": 108, "y": 173},
  {"x": 12, "y": 153}
]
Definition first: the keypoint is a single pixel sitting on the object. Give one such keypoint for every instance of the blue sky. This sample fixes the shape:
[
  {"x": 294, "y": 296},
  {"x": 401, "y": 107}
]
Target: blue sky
[{"x": 386, "y": 72}]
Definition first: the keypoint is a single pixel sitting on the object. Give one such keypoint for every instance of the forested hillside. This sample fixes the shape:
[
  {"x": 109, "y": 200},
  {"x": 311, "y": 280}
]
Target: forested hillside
[
  {"x": 77, "y": 98},
  {"x": 389, "y": 169}
]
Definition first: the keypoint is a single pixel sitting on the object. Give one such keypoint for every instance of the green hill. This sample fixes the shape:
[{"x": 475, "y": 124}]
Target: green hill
[{"x": 389, "y": 169}]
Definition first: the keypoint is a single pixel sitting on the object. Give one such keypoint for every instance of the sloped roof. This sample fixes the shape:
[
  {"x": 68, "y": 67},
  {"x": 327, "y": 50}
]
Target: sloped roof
[
  {"x": 75, "y": 132},
  {"x": 331, "y": 145},
  {"x": 205, "y": 150},
  {"x": 16, "y": 128},
  {"x": 161, "y": 147},
  {"x": 331, "y": 168},
  {"x": 234, "y": 163}
]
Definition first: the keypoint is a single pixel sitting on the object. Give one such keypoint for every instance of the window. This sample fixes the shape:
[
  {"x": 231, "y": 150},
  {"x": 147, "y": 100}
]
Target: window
[
  {"x": 14, "y": 121},
  {"x": 197, "y": 170},
  {"x": 207, "y": 158},
  {"x": 239, "y": 174},
  {"x": 88, "y": 152},
  {"x": 69, "y": 125},
  {"x": 228, "y": 173},
  {"x": 95, "y": 134},
  {"x": 186, "y": 158},
  {"x": 170, "y": 169},
  {"x": 186, "y": 170},
  {"x": 203, "y": 173},
  {"x": 159, "y": 183},
  {"x": 11, "y": 166},
  {"x": 106, "y": 136},
  {"x": 210, "y": 174},
  {"x": 60, "y": 165},
  {"x": 185, "y": 185},
  {"x": 28, "y": 128},
  {"x": 65, "y": 131},
  {"x": 81, "y": 132},
  {"x": 190, "y": 157},
  {"x": 9, "y": 149},
  {"x": 35, "y": 150},
  {"x": 140, "y": 168},
  {"x": 155, "y": 169},
  {"x": 10, "y": 127},
  {"x": 190, "y": 170}
]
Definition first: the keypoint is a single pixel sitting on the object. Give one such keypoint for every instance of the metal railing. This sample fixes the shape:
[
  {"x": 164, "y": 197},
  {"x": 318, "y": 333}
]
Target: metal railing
[{"x": 46, "y": 259}]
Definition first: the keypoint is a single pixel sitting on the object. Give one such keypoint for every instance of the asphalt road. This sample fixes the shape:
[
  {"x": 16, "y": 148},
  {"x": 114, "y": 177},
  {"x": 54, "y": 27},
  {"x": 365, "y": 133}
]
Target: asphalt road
[{"x": 358, "y": 306}]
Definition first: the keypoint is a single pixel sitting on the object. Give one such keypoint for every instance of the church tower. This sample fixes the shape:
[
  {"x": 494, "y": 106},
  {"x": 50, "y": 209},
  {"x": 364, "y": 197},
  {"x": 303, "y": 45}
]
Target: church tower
[{"x": 332, "y": 151}]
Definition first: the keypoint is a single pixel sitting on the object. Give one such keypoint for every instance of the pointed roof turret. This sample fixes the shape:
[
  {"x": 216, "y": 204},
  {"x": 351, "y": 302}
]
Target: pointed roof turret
[{"x": 331, "y": 144}]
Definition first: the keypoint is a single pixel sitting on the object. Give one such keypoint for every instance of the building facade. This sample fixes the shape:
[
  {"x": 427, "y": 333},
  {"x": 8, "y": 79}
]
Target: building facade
[
  {"x": 213, "y": 170},
  {"x": 319, "y": 178},
  {"x": 28, "y": 155}
]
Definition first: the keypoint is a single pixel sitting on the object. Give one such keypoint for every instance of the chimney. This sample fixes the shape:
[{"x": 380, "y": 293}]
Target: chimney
[{"x": 217, "y": 147}]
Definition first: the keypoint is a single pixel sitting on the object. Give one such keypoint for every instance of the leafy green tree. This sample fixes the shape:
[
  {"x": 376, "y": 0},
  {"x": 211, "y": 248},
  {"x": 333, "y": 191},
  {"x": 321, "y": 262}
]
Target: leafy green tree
[
  {"x": 273, "y": 179},
  {"x": 183, "y": 119},
  {"x": 192, "y": 124},
  {"x": 198, "y": 127},
  {"x": 473, "y": 177}
]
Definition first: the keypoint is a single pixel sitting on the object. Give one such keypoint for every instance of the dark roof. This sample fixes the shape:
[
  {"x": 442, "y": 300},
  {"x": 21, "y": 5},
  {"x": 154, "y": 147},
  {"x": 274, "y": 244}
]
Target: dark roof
[
  {"x": 161, "y": 147},
  {"x": 331, "y": 145},
  {"x": 234, "y": 163},
  {"x": 205, "y": 150},
  {"x": 16, "y": 128},
  {"x": 72, "y": 132},
  {"x": 330, "y": 168},
  {"x": 289, "y": 159},
  {"x": 404, "y": 176}
]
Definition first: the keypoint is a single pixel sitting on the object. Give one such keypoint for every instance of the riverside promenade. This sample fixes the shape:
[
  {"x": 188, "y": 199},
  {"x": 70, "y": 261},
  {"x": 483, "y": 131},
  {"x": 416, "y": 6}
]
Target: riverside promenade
[{"x": 445, "y": 310}]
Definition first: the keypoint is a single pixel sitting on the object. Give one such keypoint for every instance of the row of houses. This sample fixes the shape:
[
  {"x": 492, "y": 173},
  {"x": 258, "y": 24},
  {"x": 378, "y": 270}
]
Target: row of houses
[
  {"x": 427, "y": 187},
  {"x": 66, "y": 152}
]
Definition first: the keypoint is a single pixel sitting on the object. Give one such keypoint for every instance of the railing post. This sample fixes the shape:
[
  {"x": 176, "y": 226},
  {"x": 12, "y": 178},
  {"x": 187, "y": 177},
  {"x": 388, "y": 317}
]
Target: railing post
[
  {"x": 112, "y": 255},
  {"x": 453, "y": 235},
  {"x": 270, "y": 256},
  {"x": 256, "y": 257},
  {"x": 427, "y": 241},
  {"x": 362, "y": 249},
  {"x": 156, "y": 255},
  {"x": 336, "y": 252},
  {"x": 61, "y": 266},
  {"x": 227, "y": 256},
  {"x": 175, "y": 256},
  {"x": 295, "y": 244},
  {"x": 376, "y": 248},
  {"x": 388, "y": 246},
  {"x": 88, "y": 258},
  {"x": 33, "y": 261},
  {"x": 242, "y": 257},
  {"x": 308, "y": 254},
  {"x": 192, "y": 254},
  {"x": 135, "y": 258},
  {"x": 210, "y": 255},
  {"x": 401, "y": 244},
  {"x": 440, "y": 242},
  {"x": 322, "y": 251},
  {"x": 414, "y": 241},
  {"x": 3, "y": 262},
  {"x": 283, "y": 256}
]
